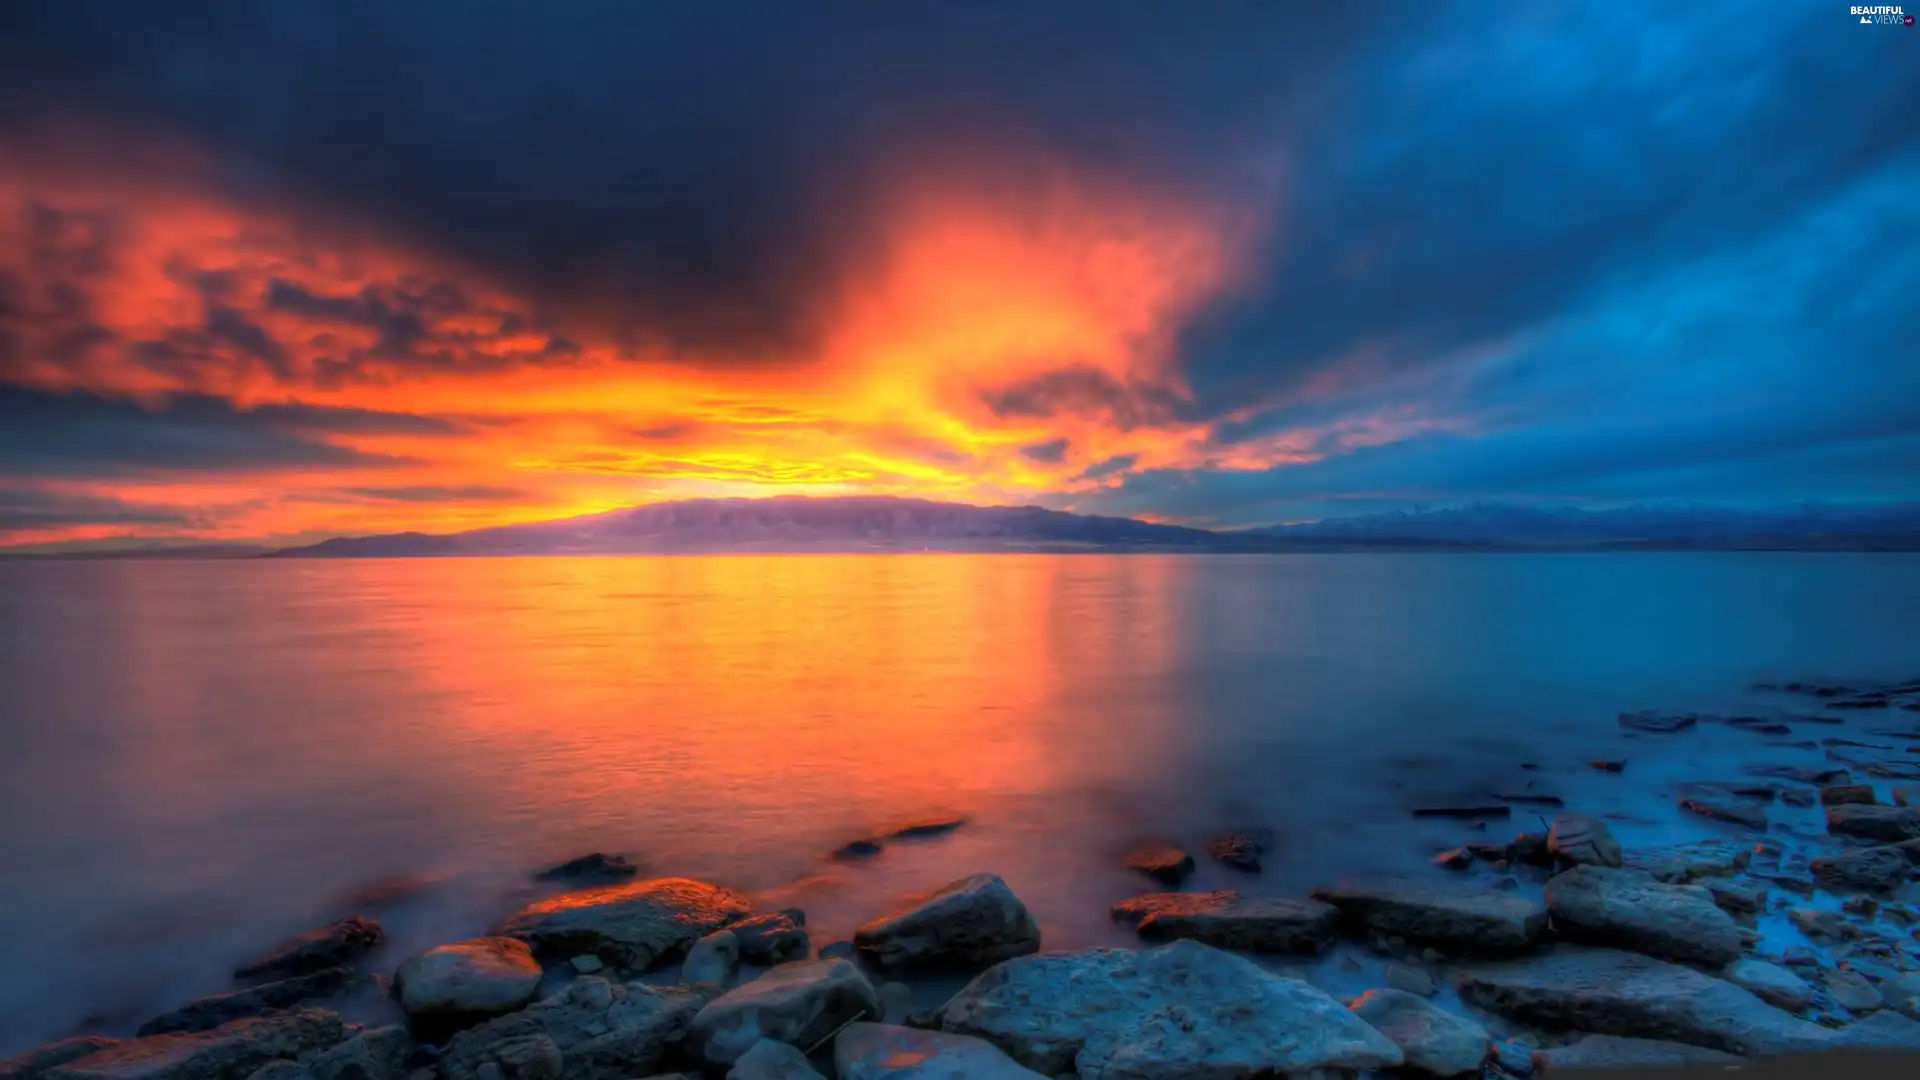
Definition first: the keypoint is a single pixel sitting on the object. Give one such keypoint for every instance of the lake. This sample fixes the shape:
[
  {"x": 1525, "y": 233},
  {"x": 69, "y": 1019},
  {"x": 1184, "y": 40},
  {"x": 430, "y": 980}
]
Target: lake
[{"x": 200, "y": 757}]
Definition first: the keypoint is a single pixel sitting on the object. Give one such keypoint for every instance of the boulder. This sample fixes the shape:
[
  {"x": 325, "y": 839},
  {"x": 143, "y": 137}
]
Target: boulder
[
  {"x": 596, "y": 1029},
  {"x": 597, "y": 867},
  {"x": 1614, "y": 1052},
  {"x": 1434, "y": 1041},
  {"x": 1438, "y": 913},
  {"x": 631, "y": 925},
  {"x": 207, "y": 1013},
  {"x": 799, "y": 1003},
  {"x": 772, "y": 939},
  {"x": 973, "y": 922},
  {"x": 712, "y": 959},
  {"x": 885, "y": 1052},
  {"x": 769, "y": 1060},
  {"x": 1230, "y": 921},
  {"x": 1162, "y": 862},
  {"x": 31, "y": 1064},
  {"x": 1874, "y": 869},
  {"x": 1737, "y": 896},
  {"x": 1585, "y": 840},
  {"x": 1885, "y": 823},
  {"x": 336, "y": 944},
  {"x": 1177, "y": 1010},
  {"x": 231, "y": 1050},
  {"x": 1609, "y": 992},
  {"x": 468, "y": 980},
  {"x": 1629, "y": 910},
  {"x": 1770, "y": 983},
  {"x": 1842, "y": 794},
  {"x": 1682, "y": 863}
]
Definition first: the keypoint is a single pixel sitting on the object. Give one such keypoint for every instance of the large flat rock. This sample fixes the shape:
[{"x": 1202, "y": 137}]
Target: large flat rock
[
  {"x": 207, "y": 1013},
  {"x": 973, "y": 922},
  {"x": 1614, "y": 1052},
  {"x": 599, "y": 1030},
  {"x": 1621, "y": 993},
  {"x": 1627, "y": 909},
  {"x": 631, "y": 925},
  {"x": 1691, "y": 861},
  {"x": 1229, "y": 920},
  {"x": 228, "y": 1052},
  {"x": 885, "y": 1052},
  {"x": 1889, "y": 824},
  {"x": 799, "y": 1004},
  {"x": 1175, "y": 1011},
  {"x": 32, "y": 1064},
  {"x": 1439, "y": 913}
]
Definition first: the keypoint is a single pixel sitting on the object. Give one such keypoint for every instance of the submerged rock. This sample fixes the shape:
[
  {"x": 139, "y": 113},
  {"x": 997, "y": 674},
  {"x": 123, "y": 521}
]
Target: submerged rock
[
  {"x": 1230, "y": 921},
  {"x": 1822, "y": 927},
  {"x": 1620, "y": 993},
  {"x": 594, "y": 867},
  {"x": 631, "y": 925},
  {"x": 1162, "y": 862},
  {"x": 925, "y": 830},
  {"x": 1580, "y": 839},
  {"x": 1630, "y": 910},
  {"x": 1842, "y": 794},
  {"x": 1658, "y": 722},
  {"x": 1614, "y": 1052},
  {"x": 231, "y": 1050},
  {"x": 1682, "y": 863},
  {"x": 973, "y": 922},
  {"x": 1724, "y": 806},
  {"x": 1242, "y": 851},
  {"x": 207, "y": 1013},
  {"x": 1738, "y": 897},
  {"x": 598, "y": 1030},
  {"x": 1434, "y": 1041},
  {"x": 468, "y": 980},
  {"x": 337, "y": 944},
  {"x": 1612, "y": 765},
  {"x": 1770, "y": 983},
  {"x": 885, "y": 1052},
  {"x": 773, "y": 939},
  {"x": 1438, "y": 913},
  {"x": 856, "y": 849},
  {"x": 1888, "y": 823},
  {"x": 799, "y": 1003},
  {"x": 1178, "y": 1010}
]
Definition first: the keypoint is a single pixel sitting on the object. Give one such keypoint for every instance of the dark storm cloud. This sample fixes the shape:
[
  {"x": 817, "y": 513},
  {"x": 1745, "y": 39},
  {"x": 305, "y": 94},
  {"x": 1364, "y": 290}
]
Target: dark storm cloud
[
  {"x": 1052, "y": 452},
  {"x": 51, "y": 434},
  {"x": 23, "y": 509}
]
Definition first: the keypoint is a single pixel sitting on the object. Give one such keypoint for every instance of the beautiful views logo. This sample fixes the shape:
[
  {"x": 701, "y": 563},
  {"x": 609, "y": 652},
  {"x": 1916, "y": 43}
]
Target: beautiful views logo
[{"x": 1882, "y": 15}]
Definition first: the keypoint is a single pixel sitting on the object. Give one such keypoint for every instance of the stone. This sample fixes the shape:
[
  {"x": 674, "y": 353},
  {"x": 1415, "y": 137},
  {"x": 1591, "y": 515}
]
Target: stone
[
  {"x": 1657, "y": 722},
  {"x": 468, "y": 981},
  {"x": 1614, "y": 1052},
  {"x": 769, "y": 1060},
  {"x": 1883, "y": 1030},
  {"x": 1842, "y": 794},
  {"x": 594, "y": 1029},
  {"x": 1885, "y": 823},
  {"x": 1177, "y": 1010},
  {"x": 1874, "y": 869},
  {"x": 1851, "y": 991},
  {"x": 1454, "y": 859},
  {"x": 336, "y": 944},
  {"x": 1512, "y": 1059},
  {"x": 1583, "y": 840},
  {"x": 884, "y": 1052},
  {"x": 1737, "y": 896},
  {"x": 1906, "y": 794},
  {"x": 1796, "y": 797},
  {"x": 1816, "y": 775},
  {"x": 799, "y": 1003},
  {"x": 597, "y": 867},
  {"x": 1724, "y": 806},
  {"x": 973, "y": 922},
  {"x": 712, "y": 959},
  {"x": 1612, "y": 765},
  {"x": 1770, "y": 983},
  {"x": 207, "y": 1013},
  {"x": 377, "y": 1054},
  {"x": 1683, "y": 863},
  {"x": 896, "y": 1001},
  {"x": 631, "y": 925},
  {"x": 32, "y": 1064},
  {"x": 1242, "y": 851},
  {"x": 1437, "y": 913},
  {"x": 1162, "y": 862},
  {"x": 233, "y": 1049},
  {"x": 1822, "y": 927},
  {"x": 925, "y": 830},
  {"x": 1433, "y": 1041},
  {"x": 1629, "y": 910},
  {"x": 1410, "y": 979},
  {"x": 1609, "y": 992},
  {"x": 586, "y": 965},
  {"x": 1228, "y": 920},
  {"x": 772, "y": 939}
]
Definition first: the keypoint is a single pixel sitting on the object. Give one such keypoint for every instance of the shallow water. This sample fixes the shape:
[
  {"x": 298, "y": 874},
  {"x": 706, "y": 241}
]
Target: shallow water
[{"x": 197, "y": 758}]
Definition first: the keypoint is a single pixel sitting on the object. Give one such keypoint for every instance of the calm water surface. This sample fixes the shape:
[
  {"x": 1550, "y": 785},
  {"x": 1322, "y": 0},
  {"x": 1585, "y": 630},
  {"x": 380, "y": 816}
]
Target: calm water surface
[{"x": 199, "y": 757}]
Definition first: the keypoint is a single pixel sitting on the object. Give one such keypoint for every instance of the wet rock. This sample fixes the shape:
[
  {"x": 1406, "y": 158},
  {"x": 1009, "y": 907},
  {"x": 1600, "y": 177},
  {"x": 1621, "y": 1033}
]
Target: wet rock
[
  {"x": 1178, "y": 1010},
  {"x": 1242, "y": 851},
  {"x": 1874, "y": 869},
  {"x": 1883, "y": 1030},
  {"x": 591, "y": 868},
  {"x": 1612, "y": 765},
  {"x": 378, "y": 1054},
  {"x": 32, "y": 1064},
  {"x": 595, "y": 1029},
  {"x": 1627, "y": 909},
  {"x": 1797, "y": 798},
  {"x": 896, "y": 1001},
  {"x": 1434, "y": 913},
  {"x": 234, "y": 1049},
  {"x": 1230, "y": 921},
  {"x": 885, "y": 1052},
  {"x": 336, "y": 944},
  {"x": 1843, "y": 794},
  {"x": 586, "y": 965},
  {"x": 1658, "y": 722},
  {"x": 1851, "y": 991},
  {"x": 1770, "y": 983},
  {"x": 1433, "y": 1041},
  {"x": 468, "y": 980},
  {"x": 856, "y": 849},
  {"x": 1822, "y": 927},
  {"x": 769, "y": 1060},
  {"x": 1512, "y": 1059},
  {"x": 1814, "y": 775},
  {"x": 1527, "y": 798},
  {"x": 973, "y": 922},
  {"x": 1614, "y": 1052},
  {"x": 1724, "y": 806},
  {"x": 207, "y": 1013},
  {"x": 1739, "y": 897},
  {"x": 1454, "y": 859},
  {"x": 1903, "y": 993},
  {"x": 712, "y": 959},
  {"x": 1529, "y": 848},
  {"x": 1886, "y": 823},
  {"x": 799, "y": 1004},
  {"x": 1683, "y": 863},
  {"x": 1620, "y": 993},
  {"x": 1410, "y": 979},
  {"x": 631, "y": 925},
  {"x": 926, "y": 830},
  {"x": 773, "y": 939},
  {"x": 1584, "y": 840},
  {"x": 1906, "y": 795},
  {"x": 1162, "y": 862}
]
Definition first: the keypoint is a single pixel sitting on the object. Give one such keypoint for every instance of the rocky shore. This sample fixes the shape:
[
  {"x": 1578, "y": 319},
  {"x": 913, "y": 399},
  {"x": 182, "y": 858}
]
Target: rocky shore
[{"x": 1518, "y": 952}]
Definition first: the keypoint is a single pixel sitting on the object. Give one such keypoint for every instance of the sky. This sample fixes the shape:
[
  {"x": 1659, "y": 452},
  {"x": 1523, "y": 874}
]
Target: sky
[{"x": 278, "y": 271}]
